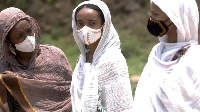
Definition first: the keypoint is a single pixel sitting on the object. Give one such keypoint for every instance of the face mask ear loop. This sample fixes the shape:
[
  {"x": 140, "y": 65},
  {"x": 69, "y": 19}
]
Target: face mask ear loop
[
  {"x": 102, "y": 29},
  {"x": 169, "y": 24},
  {"x": 102, "y": 25},
  {"x": 166, "y": 20},
  {"x": 12, "y": 49}
]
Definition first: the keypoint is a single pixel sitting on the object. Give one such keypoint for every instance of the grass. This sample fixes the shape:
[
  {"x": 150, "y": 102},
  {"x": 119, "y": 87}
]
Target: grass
[{"x": 135, "y": 51}]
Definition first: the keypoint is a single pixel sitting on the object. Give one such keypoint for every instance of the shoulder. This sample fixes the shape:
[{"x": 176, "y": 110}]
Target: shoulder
[
  {"x": 194, "y": 48},
  {"x": 191, "y": 62},
  {"x": 55, "y": 57},
  {"x": 112, "y": 68},
  {"x": 53, "y": 53},
  {"x": 112, "y": 61},
  {"x": 193, "y": 52},
  {"x": 192, "y": 57},
  {"x": 3, "y": 64},
  {"x": 51, "y": 49}
]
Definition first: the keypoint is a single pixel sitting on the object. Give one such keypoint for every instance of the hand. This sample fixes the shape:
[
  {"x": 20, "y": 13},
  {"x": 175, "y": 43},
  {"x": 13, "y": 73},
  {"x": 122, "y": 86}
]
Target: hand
[
  {"x": 7, "y": 72},
  {"x": 8, "y": 75}
]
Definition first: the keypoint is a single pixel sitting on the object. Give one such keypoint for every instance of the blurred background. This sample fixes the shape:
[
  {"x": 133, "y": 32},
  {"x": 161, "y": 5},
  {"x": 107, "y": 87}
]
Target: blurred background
[{"x": 128, "y": 16}]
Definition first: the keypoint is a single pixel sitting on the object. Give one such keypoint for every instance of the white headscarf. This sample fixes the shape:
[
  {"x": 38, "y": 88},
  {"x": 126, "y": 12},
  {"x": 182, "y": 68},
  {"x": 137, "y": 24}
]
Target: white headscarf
[
  {"x": 185, "y": 16},
  {"x": 107, "y": 68},
  {"x": 109, "y": 38}
]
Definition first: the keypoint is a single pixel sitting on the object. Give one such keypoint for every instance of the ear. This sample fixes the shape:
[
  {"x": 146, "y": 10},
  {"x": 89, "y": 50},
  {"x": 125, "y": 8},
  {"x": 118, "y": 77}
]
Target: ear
[{"x": 7, "y": 42}]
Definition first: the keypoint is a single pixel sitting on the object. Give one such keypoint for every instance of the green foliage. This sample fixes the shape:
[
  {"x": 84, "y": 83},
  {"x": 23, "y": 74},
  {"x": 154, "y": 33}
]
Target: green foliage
[
  {"x": 51, "y": 1},
  {"x": 133, "y": 87},
  {"x": 79, "y": 1},
  {"x": 135, "y": 52},
  {"x": 16, "y": 3},
  {"x": 144, "y": 2}
]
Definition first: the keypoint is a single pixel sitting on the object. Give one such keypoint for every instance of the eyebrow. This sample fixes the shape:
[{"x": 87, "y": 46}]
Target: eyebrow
[
  {"x": 153, "y": 10},
  {"x": 29, "y": 28},
  {"x": 92, "y": 19},
  {"x": 88, "y": 19},
  {"x": 16, "y": 34}
]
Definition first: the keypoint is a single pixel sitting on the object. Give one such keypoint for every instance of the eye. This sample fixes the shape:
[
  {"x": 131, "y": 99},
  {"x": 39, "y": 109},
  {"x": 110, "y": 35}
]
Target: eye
[
  {"x": 92, "y": 23},
  {"x": 154, "y": 14},
  {"x": 19, "y": 36},
  {"x": 29, "y": 30},
  {"x": 79, "y": 24}
]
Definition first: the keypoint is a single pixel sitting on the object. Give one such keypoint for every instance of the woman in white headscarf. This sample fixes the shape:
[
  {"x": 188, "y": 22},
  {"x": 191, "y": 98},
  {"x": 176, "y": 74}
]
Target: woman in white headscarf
[
  {"x": 100, "y": 79},
  {"x": 170, "y": 80}
]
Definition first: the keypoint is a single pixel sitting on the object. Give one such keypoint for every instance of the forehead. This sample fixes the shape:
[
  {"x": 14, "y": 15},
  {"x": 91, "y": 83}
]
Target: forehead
[
  {"x": 21, "y": 25},
  {"x": 154, "y": 7},
  {"x": 87, "y": 13}
]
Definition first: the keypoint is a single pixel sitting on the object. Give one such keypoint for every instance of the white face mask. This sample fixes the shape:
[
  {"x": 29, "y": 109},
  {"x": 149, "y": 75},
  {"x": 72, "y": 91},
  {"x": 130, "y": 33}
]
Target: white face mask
[
  {"x": 28, "y": 45},
  {"x": 89, "y": 35}
]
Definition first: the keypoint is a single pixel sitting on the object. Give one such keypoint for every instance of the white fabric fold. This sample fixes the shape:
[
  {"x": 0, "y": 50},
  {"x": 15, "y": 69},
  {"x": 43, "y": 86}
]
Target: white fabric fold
[{"x": 170, "y": 86}]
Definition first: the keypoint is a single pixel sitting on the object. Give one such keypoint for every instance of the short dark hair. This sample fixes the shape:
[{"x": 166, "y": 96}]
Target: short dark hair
[{"x": 91, "y": 6}]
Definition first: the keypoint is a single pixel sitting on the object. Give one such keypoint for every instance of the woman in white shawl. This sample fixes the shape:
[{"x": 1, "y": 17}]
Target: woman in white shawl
[
  {"x": 170, "y": 80},
  {"x": 100, "y": 79}
]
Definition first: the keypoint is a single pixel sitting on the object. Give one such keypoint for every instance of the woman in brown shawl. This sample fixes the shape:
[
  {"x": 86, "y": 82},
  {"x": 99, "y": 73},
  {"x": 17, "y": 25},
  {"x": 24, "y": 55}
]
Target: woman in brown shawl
[{"x": 33, "y": 77}]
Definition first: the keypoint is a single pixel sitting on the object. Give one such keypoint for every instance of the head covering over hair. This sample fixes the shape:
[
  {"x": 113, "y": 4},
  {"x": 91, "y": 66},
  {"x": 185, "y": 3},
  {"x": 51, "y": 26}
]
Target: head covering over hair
[
  {"x": 109, "y": 39},
  {"x": 8, "y": 18},
  {"x": 41, "y": 86},
  {"x": 185, "y": 16},
  {"x": 173, "y": 85},
  {"x": 105, "y": 75}
]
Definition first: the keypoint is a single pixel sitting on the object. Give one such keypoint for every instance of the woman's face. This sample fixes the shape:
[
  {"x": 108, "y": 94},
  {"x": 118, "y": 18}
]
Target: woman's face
[
  {"x": 20, "y": 31},
  {"x": 88, "y": 17},
  {"x": 158, "y": 14}
]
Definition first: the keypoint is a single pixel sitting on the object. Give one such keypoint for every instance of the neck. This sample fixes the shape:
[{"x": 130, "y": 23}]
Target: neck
[
  {"x": 23, "y": 57},
  {"x": 172, "y": 38},
  {"x": 172, "y": 35},
  {"x": 92, "y": 48}
]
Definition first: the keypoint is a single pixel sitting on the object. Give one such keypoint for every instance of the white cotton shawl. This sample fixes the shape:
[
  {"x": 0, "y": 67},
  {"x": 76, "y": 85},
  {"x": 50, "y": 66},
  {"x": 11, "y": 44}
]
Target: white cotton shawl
[
  {"x": 172, "y": 86},
  {"x": 107, "y": 76}
]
